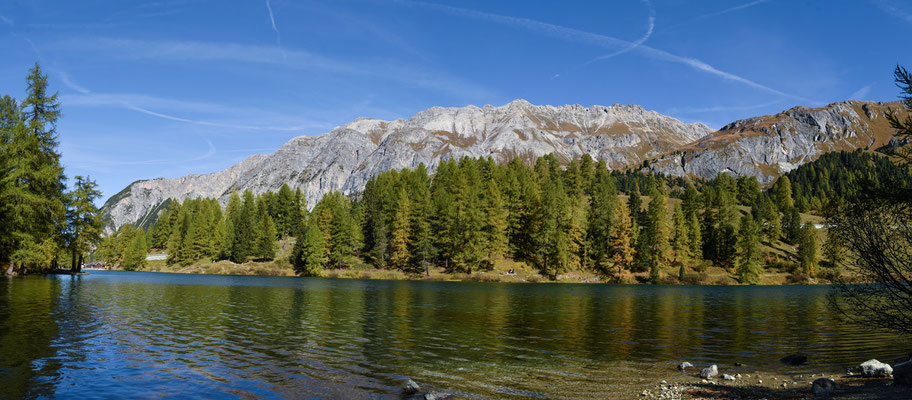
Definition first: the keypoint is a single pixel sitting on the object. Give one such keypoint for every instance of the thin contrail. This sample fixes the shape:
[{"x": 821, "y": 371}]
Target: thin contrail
[
  {"x": 717, "y": 13},
  {"x": 635, "y": 44},
  {"x": 276, "y": 29},
  {"x": 576, "y": 35},
  {"x": 65, "y": 79}
]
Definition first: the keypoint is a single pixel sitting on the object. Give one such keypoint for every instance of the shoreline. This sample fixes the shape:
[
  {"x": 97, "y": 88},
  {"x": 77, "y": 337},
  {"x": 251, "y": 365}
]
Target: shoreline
[
  {"x": 477, "y": 277},
  {"x": 749, "y": 383}
]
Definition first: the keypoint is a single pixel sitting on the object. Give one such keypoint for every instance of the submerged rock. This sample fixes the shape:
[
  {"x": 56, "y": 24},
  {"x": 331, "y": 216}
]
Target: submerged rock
[
  {"x": 794, "y": 359},
  {"x": 874, "y": 368},
  {"x": 902, "y": 373},
  {"x": 436, "y": 396},
  {"x": 411, "y": 387},
  {"x": 823, "y": 387},
  {"x": 709, "y": 372},
  {"x": 685, "y": 365}
]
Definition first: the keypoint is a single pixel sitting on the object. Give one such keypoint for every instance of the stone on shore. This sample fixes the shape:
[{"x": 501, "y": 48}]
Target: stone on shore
[
  {"x": 794, "y": 359},
  {"x": 902, "y": 373},
  {"x": 874, "y": 368},
  {"x": 685, "y": 365},
  {"x": 709, "y": 372},
  {"x": 823, "y": 387},
  {"x": 728, "y": 377}
]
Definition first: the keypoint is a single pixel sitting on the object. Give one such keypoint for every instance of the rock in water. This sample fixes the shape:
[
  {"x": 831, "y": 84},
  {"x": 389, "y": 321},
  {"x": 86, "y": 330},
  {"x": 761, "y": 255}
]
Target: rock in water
[
  {"x": 902, "y": 373},
  {"x": 823, "y": 387},
  {"x": 411, "y": 387},
  {"x": 708, "y": 373},
  {"x": 436, "y": 396},
  {"x": 685, "y": 365},
  {"x": 874, "y": 368},
  {"x": 794, "y": 359}
]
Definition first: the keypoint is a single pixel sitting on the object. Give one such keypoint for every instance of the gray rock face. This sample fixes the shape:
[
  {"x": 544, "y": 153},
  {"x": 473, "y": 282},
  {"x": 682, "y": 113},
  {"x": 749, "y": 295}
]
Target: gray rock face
[
  {"x": 874, "y": 368},
  {"x": 709, "y": 372},
  {"x": 771, "y": 145},
  {"x": 345, "y": 158}
]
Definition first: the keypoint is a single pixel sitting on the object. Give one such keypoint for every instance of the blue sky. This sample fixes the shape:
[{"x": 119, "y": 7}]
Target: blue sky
[{"x": 171, "y": 87}]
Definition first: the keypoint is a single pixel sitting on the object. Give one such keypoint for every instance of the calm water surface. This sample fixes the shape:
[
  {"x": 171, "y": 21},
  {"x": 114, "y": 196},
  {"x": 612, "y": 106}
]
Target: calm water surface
[{"x": 135, "y": 334}]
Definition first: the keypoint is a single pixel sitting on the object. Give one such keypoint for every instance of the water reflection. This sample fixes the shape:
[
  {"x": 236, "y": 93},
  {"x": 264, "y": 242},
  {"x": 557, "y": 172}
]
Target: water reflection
[{"x": 129, "y": 334}]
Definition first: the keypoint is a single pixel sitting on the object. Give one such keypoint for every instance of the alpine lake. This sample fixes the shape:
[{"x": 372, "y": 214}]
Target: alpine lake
[{"x": 137, "y": 334}]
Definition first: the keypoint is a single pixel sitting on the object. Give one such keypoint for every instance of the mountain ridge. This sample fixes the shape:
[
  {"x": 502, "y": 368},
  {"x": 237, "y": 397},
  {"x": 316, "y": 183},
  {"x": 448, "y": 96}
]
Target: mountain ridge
[{"x": 624, "y": 136}]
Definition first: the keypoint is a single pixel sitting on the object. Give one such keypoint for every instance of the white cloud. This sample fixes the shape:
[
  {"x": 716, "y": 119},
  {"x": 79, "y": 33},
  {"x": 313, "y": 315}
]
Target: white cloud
[
  {"x": 890, "y": 8},
  {"x": 714, "y": 109},
  {"x": 183, "y": 51}
]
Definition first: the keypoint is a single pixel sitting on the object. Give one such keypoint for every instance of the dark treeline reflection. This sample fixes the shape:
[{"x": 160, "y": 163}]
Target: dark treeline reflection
[{"x": 212, "y": 336}]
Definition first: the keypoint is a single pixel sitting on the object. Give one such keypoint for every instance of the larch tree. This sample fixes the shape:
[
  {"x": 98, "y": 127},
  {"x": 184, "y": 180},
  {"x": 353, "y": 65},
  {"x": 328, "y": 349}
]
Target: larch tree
[
  {"x": 400, "y": 257},
  {"x": 748, "y": 267},
  {"x": 680, "y": 244},
  {"x": 783, "y": 194},
  {"x": 495, "y": 222},
  {"x": 620, "y": 247},
  {"x": 807, "y": 250},
  {"x": 657, "y": 233},
  {"x": 32, "y": 200}
]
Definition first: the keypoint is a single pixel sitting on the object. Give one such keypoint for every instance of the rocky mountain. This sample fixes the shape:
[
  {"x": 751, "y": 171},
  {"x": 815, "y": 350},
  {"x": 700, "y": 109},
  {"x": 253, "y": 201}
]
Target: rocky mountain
[
  {"x": 623, "y": 135},
  {"x": 347, "y": 156},
  {"x": 771, "y": 145}
]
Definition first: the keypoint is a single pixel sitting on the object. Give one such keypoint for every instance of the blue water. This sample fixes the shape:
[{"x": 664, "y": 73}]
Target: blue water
[{"x": 151, "y": 335}]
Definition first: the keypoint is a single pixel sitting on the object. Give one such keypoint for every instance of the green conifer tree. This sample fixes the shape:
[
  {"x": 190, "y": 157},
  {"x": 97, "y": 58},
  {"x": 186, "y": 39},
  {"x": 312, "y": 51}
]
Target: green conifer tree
[
  {"x": 83, "y": 220},
  {"x": 308, "y": 255},
  {"x": 266, "y": 245},
  {"x": 135, "y": 255}
]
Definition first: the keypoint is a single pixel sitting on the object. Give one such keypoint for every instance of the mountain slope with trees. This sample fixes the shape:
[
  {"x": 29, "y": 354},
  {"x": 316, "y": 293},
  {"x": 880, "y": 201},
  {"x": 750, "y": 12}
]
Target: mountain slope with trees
[{"x": 625, "y": 137}]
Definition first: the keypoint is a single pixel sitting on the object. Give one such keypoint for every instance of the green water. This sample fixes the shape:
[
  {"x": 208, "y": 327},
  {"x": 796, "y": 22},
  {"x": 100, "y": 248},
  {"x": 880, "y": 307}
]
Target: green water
[{"x": 133, "y": 334}]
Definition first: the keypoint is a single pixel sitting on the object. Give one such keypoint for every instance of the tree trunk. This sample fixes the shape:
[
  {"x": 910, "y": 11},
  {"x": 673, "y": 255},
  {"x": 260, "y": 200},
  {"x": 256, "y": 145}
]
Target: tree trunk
[
  {"x": 79, "y": 264},
  {"x": 73, "y": 267},
  {"x": 11, "y": 270}
]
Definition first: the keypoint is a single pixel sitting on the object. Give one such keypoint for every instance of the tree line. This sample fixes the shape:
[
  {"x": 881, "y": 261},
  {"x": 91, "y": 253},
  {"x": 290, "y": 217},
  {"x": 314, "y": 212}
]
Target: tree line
[
  {"x": 474, "y": 211},
  {"x": 43, "y": 223}
]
